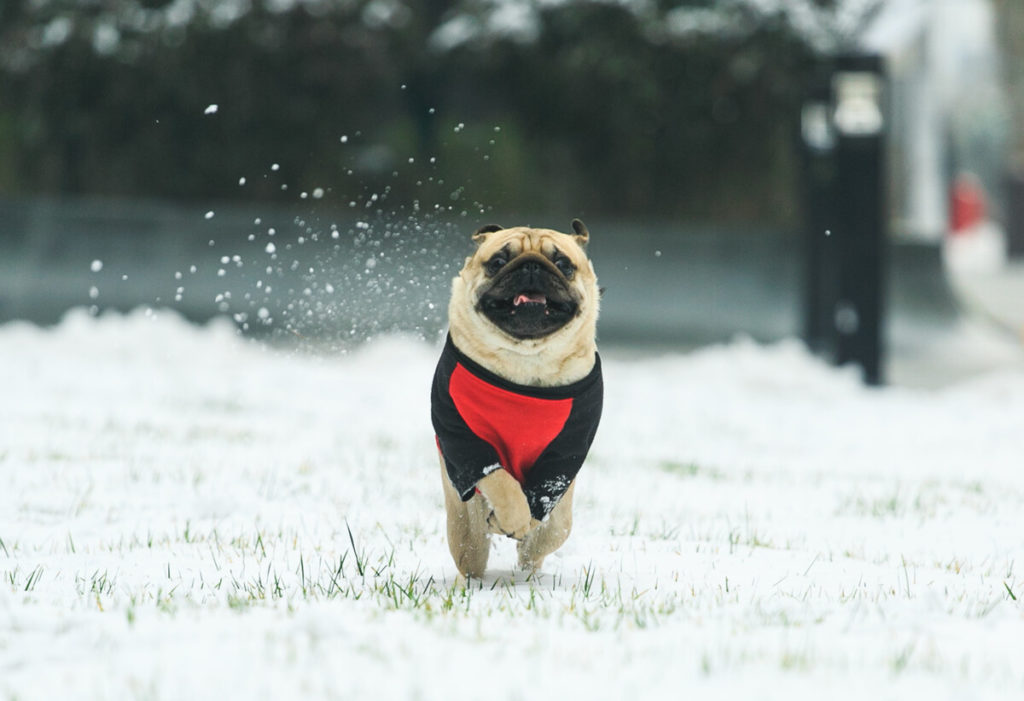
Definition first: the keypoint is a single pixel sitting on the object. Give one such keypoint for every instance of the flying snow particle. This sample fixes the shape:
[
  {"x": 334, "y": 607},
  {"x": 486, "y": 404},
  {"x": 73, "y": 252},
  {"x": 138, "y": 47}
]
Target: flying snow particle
[
  {"x": 275, "y": 166},
  {"x": 657, "y": 254},
  {"x": 241, "y": 181},
  {"x": 271, "y": 248},
  {"x": 211, "y": 109},
  {"x": 371, "y": 263},
  {"x": 329, "y": 288},
  {"x": 209, "y": 215},
  {"x": 318, "y": 193},
  {"x": 94, "y": 292},
  {"x": 96, "y": 266},
  {"x": 343, "y": 139}
]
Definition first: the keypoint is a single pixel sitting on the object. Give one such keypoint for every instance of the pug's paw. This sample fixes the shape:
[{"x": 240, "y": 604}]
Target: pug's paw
[{"x": 510, "y": 513}]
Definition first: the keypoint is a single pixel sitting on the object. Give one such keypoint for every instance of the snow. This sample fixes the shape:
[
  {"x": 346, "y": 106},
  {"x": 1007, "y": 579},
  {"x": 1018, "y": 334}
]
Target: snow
[{"x": 186, "y": 514}]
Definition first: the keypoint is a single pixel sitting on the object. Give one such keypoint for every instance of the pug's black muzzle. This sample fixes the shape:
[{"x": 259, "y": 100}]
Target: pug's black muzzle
[{"x": 529, "y": 298}]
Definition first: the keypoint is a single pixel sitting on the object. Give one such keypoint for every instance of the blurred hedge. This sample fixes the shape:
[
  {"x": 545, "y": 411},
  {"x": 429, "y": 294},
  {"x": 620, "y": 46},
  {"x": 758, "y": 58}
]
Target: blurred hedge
[{"x": 592, "y": 107}]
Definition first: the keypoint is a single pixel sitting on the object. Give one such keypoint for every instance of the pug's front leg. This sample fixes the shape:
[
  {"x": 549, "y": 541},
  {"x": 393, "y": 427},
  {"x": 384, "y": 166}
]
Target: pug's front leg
[
  {"x": 510, "y": 513},
  {"x": 547, "y": 536}
]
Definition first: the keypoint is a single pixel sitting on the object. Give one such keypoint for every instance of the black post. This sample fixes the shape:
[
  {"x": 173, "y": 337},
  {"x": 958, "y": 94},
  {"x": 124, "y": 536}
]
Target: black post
[
  {"x": 860, "y": 224},
  {"x": 1015, "y": 213},
  {"x": 817, "y": 146}
]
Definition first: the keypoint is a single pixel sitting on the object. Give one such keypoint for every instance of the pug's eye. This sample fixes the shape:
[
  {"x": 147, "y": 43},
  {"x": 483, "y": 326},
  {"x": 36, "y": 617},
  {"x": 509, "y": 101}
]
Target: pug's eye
[
  {"x": 496, "y": 263},
  {"x": 565, "y": 266}
]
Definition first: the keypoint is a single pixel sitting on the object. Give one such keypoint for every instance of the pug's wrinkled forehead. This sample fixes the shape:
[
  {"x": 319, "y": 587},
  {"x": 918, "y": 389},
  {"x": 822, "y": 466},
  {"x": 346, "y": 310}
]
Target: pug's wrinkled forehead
[{"x": 518, "y": 240}]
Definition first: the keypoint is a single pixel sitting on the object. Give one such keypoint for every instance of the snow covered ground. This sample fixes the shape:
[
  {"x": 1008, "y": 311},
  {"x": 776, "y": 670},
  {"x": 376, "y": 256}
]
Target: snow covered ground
[{"x": 186, "y": 515}]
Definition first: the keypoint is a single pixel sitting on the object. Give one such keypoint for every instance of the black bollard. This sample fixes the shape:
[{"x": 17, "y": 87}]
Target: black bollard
[
  {"x": 1015, "y": 214},
  {"x": 818, "y": 146},
  {"x": 860, "y": 214}
]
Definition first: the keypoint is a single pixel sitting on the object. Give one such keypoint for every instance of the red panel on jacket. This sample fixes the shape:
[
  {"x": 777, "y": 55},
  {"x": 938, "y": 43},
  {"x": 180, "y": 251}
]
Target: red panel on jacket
[{"x": 518, "y": 427}]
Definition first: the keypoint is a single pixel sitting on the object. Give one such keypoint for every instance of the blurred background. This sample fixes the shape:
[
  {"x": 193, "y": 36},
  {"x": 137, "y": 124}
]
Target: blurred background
[{"x": 312, "y": 169}]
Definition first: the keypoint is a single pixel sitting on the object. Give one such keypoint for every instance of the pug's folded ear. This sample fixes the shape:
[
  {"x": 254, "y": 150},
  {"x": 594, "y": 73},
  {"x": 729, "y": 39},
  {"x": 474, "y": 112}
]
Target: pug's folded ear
[
  {"x": 582, "y": 235},
  {"x": 480, "y": 234}
]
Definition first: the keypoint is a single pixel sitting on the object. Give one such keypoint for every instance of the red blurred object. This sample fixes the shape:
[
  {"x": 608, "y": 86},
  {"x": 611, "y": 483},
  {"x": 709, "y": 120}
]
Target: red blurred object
[{"x": 967, "y": 204}]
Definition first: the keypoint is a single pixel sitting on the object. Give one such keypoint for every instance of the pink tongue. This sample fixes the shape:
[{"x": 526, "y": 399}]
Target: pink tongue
[{"x": 529, "y": 299}]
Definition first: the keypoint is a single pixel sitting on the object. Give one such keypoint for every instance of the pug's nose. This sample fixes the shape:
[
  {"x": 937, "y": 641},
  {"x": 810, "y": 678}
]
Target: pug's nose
[{"x": 531, "y": 272}]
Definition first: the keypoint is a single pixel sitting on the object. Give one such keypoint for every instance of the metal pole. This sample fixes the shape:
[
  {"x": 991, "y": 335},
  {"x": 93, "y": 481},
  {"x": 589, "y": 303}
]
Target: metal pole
[
  {"x": 1015, "y": 214},
  {"x": 818, "y": 142},
  {"x": 861, "y": 227}
]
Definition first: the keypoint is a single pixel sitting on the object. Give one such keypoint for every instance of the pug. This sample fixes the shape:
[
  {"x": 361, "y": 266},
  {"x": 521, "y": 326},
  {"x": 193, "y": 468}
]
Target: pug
[{"x": 517, "y": 393}]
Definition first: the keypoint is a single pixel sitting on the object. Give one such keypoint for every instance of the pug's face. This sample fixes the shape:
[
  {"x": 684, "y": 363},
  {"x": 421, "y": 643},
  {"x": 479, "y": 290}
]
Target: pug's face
[{"x": 529, "y": 284}]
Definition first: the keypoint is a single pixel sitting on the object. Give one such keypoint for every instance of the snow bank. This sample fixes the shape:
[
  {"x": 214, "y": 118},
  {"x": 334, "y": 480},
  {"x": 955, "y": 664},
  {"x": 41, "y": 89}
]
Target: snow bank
[{"x": 185, "y": 514}]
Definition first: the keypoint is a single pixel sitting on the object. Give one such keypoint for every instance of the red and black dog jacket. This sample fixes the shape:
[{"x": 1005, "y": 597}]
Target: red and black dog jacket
[{"x": 539, "y": 434}]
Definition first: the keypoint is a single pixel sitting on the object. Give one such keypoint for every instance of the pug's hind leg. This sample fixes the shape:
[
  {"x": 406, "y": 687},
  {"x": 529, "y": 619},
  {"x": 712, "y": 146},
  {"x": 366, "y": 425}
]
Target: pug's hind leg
[
  {"x": 548, "y": 536},
  {"x": 468, "y": 539}
]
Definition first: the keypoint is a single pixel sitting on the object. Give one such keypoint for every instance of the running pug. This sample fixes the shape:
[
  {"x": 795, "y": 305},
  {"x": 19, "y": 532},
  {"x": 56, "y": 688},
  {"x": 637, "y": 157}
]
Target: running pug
[{"x": 517, "y": 393}]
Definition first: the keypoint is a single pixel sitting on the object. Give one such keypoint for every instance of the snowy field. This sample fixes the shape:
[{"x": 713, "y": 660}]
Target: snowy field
[{"x": 188, "y": 515}]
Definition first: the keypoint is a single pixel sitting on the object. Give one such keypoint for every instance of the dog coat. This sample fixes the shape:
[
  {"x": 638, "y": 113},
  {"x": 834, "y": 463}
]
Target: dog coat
[{"x": 485, "y": 423}]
